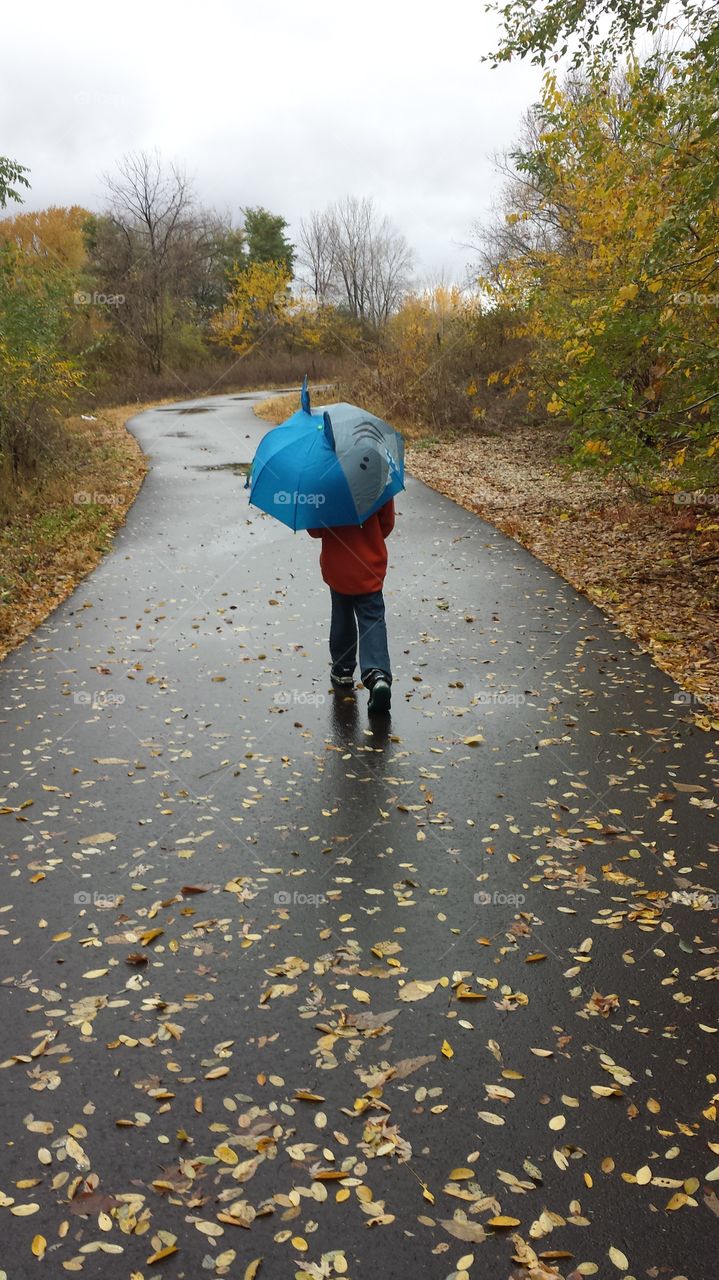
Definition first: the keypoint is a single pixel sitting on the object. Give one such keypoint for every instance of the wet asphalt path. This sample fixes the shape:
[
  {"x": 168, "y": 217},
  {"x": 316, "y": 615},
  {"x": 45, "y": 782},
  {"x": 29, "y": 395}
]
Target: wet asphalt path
[{"x": 221, "y": 887}]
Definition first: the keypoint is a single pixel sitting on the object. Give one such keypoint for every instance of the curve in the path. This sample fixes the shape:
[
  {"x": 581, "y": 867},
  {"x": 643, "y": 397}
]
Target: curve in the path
[{"x": 221, "y": 885}]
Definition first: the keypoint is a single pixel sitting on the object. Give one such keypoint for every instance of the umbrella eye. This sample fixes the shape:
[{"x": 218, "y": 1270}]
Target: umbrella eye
[{"x": 363, "y": 463}]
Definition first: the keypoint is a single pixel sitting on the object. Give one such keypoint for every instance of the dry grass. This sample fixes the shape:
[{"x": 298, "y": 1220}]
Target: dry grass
[
  {"x": 277, "y": 408},
  {"x": 126, "y": 384},
  {"x": 60, "y": 522}
]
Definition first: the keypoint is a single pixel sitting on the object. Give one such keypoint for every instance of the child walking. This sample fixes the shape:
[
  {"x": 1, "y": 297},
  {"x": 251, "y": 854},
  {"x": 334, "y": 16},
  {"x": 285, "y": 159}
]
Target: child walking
[{"x": 353, "y": 562}]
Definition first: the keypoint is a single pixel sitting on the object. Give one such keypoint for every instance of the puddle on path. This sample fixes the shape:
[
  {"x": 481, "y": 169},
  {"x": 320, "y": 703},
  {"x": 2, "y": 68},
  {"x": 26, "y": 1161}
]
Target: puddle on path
[
  {"x": 195, "y": 408},
  {"x": 237, "y": 468}
]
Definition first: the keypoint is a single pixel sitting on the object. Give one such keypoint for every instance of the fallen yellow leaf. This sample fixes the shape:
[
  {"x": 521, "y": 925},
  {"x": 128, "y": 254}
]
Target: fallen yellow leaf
[
  {"x": 226, "y": 1154},
  {"x": 162, "y": 1254},
  {"x": 619, "y": 1259}
]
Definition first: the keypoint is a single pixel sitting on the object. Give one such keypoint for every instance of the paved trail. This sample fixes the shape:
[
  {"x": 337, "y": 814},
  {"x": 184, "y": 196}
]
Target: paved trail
[{"x": 222, "y": 887}]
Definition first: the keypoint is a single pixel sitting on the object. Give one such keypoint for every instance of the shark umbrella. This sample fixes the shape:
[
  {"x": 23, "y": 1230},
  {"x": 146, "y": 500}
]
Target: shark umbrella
[{"x": 332, "y": 466}]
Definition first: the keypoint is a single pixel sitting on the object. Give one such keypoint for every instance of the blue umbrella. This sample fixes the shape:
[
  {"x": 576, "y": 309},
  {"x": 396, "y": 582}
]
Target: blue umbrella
[{"x": 334, "y": 466}]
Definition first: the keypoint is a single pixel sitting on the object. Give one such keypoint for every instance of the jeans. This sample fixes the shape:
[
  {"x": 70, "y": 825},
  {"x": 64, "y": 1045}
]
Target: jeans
[{"x": 366, "y": 613}]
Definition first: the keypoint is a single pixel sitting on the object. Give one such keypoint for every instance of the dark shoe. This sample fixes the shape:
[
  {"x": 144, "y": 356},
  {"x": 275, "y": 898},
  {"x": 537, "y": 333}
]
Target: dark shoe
[
  {"x": 380, "y": 697},
  {"x": 341, "y": 680}
]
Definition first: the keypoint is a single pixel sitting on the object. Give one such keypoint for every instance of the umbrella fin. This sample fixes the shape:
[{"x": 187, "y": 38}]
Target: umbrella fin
[
  {"x": 305, "y": 396},
  {"x": 329, "y": 433}
]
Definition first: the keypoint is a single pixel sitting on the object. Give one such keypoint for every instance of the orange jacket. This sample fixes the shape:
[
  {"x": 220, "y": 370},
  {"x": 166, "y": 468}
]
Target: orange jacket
[{"x": 354, "y": 556}]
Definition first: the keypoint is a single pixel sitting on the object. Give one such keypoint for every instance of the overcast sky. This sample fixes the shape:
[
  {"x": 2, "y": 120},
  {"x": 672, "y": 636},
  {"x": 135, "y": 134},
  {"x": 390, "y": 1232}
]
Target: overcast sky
[{"x": 286, "y": 105}]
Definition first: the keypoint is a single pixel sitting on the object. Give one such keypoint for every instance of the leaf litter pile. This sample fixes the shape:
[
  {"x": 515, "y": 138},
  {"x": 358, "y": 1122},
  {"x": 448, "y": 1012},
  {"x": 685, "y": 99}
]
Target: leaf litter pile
[
  {"x": 284, "y": 996},
  {"x": 650, "y": 562}
]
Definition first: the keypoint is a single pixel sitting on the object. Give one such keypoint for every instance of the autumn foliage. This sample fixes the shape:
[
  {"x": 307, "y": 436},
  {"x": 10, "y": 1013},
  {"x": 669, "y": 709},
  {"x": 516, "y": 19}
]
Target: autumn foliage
[
  {"x": 39, "y": 255},
  {"x": 594, "y": 304},
  {"x": 611, "y": 261}
]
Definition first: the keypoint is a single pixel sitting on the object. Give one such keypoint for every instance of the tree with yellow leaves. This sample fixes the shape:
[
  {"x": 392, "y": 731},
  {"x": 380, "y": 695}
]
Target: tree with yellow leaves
[
  {"x": 54, "y": 235},
  {"x": 612, "y": 259},
  {"x": 256, "y": 308}
]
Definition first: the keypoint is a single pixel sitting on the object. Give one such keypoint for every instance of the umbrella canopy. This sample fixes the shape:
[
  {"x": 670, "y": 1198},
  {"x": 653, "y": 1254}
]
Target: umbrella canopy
[{"x": 333, "y": 466}]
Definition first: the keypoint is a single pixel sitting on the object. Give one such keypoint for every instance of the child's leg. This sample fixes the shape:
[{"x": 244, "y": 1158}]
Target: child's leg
[
  {"x": 374, "y": 654},
  {"x": 343, "y": 635}
]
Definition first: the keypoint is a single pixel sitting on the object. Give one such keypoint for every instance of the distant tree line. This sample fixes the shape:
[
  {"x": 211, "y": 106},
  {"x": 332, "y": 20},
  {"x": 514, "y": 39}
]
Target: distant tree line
[
  {"x": 593, "y": 305},
  {"x": 156, "y": 286}
]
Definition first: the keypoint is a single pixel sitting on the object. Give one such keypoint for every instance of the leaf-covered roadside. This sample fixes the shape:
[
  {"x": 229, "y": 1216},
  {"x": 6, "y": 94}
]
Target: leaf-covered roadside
[
  {"x": 56, "y": 526},
  {"x": 652, "y": 566}
]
